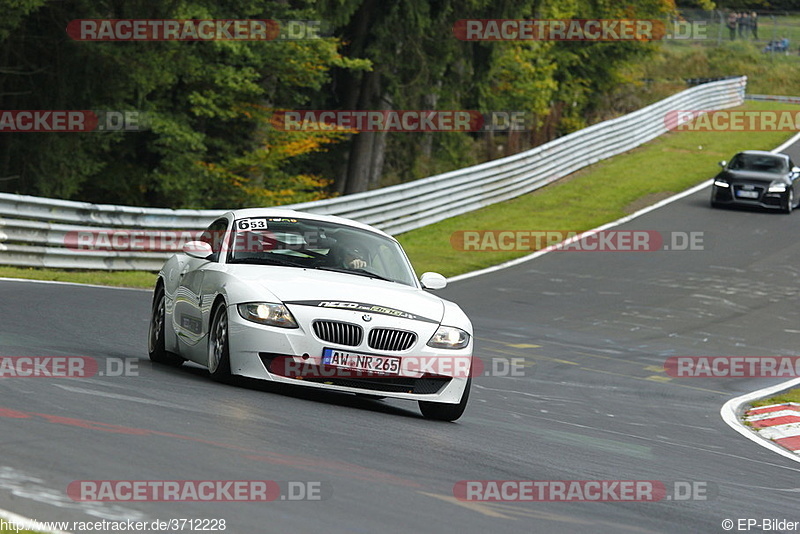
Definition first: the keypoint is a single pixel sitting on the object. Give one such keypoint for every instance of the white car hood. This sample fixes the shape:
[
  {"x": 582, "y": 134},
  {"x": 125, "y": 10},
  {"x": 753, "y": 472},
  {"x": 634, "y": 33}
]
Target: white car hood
[{"x": 342, "y": 290}]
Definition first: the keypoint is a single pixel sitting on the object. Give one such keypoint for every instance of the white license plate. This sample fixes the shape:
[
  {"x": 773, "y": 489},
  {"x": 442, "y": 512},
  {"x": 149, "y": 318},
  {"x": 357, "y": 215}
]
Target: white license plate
[
  {"x": 361, "y": 362},
  {"x": 747, "y": 194}
]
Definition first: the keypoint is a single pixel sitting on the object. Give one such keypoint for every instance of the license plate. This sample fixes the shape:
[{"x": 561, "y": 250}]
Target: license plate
[
  {"x": 747, "y": 194},
  {"x": 361, "y": 362}
]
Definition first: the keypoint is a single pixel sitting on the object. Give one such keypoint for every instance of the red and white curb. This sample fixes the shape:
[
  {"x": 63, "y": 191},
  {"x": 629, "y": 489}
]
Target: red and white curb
[
  {"x": 779, "y": 423},
  {"x": 776, "y": 427}
]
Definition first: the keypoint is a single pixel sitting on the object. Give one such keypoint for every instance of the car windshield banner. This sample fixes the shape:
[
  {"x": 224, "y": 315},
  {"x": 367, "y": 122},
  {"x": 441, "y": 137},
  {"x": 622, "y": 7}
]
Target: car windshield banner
[{"x": 362, "y": 307}]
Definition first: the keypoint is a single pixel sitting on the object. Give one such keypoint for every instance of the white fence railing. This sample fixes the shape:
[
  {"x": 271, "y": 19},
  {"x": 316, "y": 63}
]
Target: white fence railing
[{"x": 41, "y": 232}]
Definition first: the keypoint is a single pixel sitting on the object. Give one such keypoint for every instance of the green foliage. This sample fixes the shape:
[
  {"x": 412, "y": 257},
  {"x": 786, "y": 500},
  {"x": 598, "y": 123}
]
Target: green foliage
[
  {"x": 197, "y": 97},
  {"x": 209, "y": 142}
]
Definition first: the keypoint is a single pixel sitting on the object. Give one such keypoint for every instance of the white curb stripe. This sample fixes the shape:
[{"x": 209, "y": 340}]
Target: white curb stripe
[
  {"x": 774, "y": 405},
  {"x": 772, "y": 415},
  {"x": 789, "y": 430}
]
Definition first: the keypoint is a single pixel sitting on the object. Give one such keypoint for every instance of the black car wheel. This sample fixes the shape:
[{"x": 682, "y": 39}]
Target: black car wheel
[
  {"x": 446, "y": 412},
  {"x": 155, "y": 338},
  {"x": 789, "y": 205},
  {"x": 219, "y": 363}
]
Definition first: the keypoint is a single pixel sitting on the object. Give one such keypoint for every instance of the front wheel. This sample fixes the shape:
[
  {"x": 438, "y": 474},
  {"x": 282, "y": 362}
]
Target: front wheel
[
  {"x": 155, "y": 338},
  {"x": 219, "y": 362},
  {"x": 446, "y": 412},
  {"x": 789, "y": 206}
]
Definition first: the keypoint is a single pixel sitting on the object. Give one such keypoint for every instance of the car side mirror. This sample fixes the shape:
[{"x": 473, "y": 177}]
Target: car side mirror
[
  {"x": 723, "y": 163},
  {"x": 198, "y": 249},
  {"x": 795, "y": 169},
  {"x": 433, "y": 281}
]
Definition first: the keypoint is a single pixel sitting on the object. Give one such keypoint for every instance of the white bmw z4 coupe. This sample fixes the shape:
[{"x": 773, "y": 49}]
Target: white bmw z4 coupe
[{"x": 316, "y": 301}]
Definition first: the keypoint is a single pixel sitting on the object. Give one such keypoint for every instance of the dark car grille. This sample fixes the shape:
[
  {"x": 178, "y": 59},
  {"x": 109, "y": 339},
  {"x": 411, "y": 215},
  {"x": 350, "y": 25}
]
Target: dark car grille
[
  {"x": 759, "y": 190},
  {"x": 391, "y": 339},
  {"x": 339, "y": 333}
]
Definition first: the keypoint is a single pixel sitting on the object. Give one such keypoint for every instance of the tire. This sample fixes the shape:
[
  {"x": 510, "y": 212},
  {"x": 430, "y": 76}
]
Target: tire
[
  {"x": 219, "y": 358},
  {"x": 446, "y": 412},
  {"x": 787, "y": 209},
  {"x": 155, "y": 336},
  {"x": 715, "y": 204}
]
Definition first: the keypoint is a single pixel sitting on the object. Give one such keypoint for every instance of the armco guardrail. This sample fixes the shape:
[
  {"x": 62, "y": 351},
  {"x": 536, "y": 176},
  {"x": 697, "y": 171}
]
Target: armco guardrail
[
  {"x": 35, "y": 231},
  {"x": 774, "y": 98}
]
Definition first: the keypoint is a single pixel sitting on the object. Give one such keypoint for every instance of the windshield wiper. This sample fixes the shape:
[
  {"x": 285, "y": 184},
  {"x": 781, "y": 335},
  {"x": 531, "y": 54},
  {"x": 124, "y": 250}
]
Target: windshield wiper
[
  {"x": 272, "y": 260},
  {"x": 360, "y": 272}
]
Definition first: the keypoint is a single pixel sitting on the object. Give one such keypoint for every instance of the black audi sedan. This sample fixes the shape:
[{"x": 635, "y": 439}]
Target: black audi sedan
[{"x": 758, "y": 179}]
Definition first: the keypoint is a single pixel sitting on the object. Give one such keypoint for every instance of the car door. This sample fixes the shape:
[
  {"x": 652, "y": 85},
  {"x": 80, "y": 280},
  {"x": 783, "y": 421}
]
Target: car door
[{"x": 189, "y": 302}]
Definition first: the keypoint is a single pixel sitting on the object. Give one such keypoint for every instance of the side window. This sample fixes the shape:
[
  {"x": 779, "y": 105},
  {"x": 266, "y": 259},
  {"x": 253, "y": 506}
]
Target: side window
[{"x": 215, "y": 236}]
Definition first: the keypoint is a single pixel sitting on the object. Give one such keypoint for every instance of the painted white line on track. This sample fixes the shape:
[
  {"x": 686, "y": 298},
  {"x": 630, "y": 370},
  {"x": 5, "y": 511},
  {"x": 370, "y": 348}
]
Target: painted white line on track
[{"x": 56, "y": 282}]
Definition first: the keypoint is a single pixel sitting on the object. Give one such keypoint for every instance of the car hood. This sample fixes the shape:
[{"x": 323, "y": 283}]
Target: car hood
[
  {"x": 752, "y": 176},
  {"x": 325, "y": 288}
]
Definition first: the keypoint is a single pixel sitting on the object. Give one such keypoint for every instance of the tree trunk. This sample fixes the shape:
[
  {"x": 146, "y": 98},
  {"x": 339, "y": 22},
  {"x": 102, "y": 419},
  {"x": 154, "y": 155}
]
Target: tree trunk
[
  {"x": 360, "y": 161},
  {"x": 379, "y": 149}
]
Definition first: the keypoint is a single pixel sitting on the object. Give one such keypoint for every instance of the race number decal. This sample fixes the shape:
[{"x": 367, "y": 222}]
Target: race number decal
[{"x": 255, "y": 223}]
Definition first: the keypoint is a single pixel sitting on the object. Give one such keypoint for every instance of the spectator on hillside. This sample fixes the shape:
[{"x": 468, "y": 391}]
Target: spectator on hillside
[
  {"x": 744, "y": 24},
  {"x": 732, "y": 19},
  {"x": 754, "y": 25}
]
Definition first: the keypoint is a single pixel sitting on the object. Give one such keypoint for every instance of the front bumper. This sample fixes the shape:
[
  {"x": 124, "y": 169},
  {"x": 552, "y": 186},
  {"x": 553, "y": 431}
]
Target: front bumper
[
  {"x": 261, "y": 352},
  {"x": 730, "y": 196}
]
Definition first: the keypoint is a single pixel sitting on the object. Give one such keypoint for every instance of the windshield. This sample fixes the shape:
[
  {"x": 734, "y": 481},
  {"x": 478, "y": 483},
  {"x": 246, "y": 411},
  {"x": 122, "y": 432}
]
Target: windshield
[
  {"x": 758, "y": 163},
  {"x": 319, "y": 245}
]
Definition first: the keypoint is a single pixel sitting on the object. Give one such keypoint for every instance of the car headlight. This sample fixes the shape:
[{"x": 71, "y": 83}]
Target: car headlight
[
  {"x": 721, "y": 183},
  {"x": 267, "y": 313},
  {"x": 777, "y": 187},
  {"x": 449, "y": 337}
]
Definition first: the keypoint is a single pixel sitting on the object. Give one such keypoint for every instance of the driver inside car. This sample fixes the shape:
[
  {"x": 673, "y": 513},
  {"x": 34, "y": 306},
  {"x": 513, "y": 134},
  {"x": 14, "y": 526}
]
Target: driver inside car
[{"x": 353, "y": 258}]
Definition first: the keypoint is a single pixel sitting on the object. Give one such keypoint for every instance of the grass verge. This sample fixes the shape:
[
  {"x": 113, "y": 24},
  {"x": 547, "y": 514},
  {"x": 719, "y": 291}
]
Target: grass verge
[
  {"x": 793, "y": 395},
  {"x": 589, "y": 198},
  {"x": 102, "y": 278}
]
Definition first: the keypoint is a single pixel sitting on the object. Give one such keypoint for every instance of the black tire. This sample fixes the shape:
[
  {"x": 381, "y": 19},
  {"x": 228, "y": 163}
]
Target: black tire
[
  {"x": 789, "y": 206},
  {"x": 715, "y": 204},
  {"x": 446, "y": 412},
  {"x": 219, "y": 358},
  {"x": 155, "y": 336}
]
